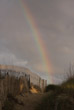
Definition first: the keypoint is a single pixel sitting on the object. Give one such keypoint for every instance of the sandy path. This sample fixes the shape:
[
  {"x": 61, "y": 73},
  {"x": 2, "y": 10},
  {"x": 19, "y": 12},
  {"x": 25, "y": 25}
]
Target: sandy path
[{"x": 28, "y": 101}]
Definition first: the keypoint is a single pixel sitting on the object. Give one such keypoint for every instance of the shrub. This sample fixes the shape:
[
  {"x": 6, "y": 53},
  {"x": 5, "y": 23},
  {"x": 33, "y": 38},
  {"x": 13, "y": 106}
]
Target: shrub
[
  {"x": 59, "y": 97},
  {"x": 57, "y": 101},
  {"x": 52, "y": 88}
]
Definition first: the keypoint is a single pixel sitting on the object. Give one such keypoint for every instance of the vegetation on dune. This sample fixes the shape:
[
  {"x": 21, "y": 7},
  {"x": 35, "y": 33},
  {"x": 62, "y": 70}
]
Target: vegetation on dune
[
  {"x": 69, "y": 83},
  {"x": 59, "y": 97},
  {"x": 52, "y": 88}
]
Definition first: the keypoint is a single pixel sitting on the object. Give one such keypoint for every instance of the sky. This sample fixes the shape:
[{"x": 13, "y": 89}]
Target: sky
[{"x": 55, "y": 22}]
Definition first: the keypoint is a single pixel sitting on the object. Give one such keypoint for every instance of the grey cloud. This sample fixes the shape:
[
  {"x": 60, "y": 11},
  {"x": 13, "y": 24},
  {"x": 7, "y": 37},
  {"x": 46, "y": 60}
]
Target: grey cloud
[
  {"x": 10, "y": 59},
  {"x": 55, "y": 21}
]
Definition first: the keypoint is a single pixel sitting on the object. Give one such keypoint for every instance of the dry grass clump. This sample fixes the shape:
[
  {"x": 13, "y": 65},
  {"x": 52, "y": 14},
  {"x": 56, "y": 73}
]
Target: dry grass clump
[{"x": 59, "y": 97}]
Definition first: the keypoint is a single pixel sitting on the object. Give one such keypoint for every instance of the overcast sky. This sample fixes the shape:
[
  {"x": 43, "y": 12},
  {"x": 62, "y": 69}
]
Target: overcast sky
[{"x": 55, "y": 21}]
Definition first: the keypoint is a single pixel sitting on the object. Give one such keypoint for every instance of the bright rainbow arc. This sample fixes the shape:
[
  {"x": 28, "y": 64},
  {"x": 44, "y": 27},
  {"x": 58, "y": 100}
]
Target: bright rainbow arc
[{"x": 39, "y": 42}]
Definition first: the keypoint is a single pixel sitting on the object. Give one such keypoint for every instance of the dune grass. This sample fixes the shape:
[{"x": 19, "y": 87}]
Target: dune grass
[{"x": 59, "y": 97}]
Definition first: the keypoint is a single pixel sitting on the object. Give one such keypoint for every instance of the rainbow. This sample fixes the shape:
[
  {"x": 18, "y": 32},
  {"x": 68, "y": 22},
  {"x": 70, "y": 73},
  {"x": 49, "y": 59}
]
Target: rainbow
[{"x": 38, "y": 39}]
